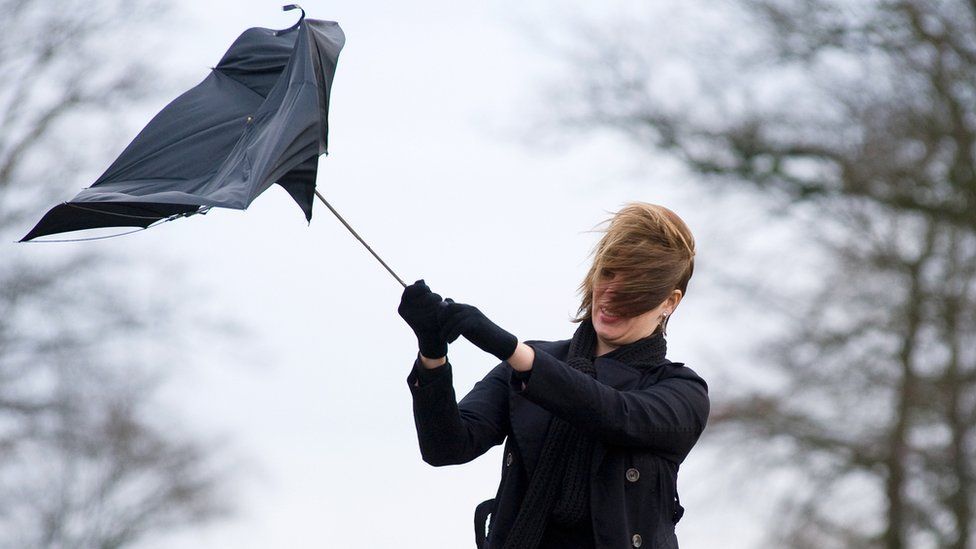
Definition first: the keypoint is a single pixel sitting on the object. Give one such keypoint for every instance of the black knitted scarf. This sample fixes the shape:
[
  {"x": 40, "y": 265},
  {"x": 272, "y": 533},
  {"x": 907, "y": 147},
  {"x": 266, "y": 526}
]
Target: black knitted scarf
[{"x": 560, "y": 486}]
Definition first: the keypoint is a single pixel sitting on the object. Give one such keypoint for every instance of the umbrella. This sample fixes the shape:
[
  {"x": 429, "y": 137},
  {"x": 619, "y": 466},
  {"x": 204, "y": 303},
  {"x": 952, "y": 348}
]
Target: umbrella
[{"x": 259, "y": 118}]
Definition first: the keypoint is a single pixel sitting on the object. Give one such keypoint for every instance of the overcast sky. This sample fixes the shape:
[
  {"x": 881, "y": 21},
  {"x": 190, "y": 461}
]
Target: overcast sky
[{"x": 431, "y": 161}]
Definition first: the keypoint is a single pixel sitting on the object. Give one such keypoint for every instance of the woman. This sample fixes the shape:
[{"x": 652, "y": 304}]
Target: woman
[{"x": 594, "y": 427}]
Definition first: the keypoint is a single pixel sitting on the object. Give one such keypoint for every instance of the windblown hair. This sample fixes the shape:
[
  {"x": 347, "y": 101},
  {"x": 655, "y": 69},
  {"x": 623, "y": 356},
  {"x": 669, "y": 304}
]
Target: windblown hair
[{"x": 649, "y": 252}]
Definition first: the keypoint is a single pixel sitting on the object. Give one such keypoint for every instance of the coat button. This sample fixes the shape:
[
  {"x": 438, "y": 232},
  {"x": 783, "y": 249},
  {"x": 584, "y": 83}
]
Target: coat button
[
  {"x": 633, "y": 474},
  {"x": 508, "y": 460},
  {"x": 637, "y": 540}
]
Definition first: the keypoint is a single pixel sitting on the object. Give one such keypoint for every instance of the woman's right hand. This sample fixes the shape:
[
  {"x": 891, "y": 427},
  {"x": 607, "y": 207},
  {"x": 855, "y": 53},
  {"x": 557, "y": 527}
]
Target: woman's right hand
[{"x": 418, "y": 307}]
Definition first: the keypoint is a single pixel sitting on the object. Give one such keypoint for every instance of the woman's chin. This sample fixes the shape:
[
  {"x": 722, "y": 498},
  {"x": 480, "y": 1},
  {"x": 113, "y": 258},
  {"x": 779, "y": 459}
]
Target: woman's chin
[{"x": 609, "y": 331}]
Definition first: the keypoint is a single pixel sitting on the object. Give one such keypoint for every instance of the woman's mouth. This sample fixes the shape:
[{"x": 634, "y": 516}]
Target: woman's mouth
[{"x": 607, "y": 316}]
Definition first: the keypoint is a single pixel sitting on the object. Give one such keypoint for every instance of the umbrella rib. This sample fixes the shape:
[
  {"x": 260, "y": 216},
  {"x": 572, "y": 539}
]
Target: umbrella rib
[
  {"x": 105, "y": 237},
  {"x": 90, "y": 238},
  {"x": 359, "y": 238}
]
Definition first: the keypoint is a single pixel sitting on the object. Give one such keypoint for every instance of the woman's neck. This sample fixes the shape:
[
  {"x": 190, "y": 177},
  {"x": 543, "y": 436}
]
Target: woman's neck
[{"x": 602, "y": 347}]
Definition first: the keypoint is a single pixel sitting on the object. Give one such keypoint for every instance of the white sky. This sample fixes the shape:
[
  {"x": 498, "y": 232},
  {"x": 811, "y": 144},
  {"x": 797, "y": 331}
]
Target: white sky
[{"x": 427, "y": 161}]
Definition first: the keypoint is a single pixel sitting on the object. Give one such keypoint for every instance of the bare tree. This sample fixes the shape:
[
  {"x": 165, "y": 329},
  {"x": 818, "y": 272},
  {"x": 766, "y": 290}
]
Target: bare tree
[
  {"x": 864, "y": 112},
  {"x": 86, "y": 460}
]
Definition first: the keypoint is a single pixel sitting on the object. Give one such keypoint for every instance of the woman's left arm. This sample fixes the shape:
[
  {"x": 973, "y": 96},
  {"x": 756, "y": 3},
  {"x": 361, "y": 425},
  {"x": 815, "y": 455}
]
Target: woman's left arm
[
  {"x": 522, "y": 359},
  {"x": 667, "y": 417}
]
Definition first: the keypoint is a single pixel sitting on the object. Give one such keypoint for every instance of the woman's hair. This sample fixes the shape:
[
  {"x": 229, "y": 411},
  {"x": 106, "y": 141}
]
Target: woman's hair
[{"x": 649, "y": 251}]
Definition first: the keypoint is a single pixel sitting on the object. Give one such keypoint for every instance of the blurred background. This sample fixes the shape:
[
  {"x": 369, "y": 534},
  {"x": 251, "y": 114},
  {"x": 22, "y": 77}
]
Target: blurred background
[{"x": 238, "y": 379}]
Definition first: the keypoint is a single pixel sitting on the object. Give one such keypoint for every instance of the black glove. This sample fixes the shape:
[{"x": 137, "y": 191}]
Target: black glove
[
  {"x": 419, "y": 306},
  {"x": 459, "y": 319}
]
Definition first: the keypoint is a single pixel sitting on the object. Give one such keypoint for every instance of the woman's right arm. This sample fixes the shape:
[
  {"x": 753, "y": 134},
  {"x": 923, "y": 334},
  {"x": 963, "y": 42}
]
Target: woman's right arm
[{"x": 450, "y": 432}]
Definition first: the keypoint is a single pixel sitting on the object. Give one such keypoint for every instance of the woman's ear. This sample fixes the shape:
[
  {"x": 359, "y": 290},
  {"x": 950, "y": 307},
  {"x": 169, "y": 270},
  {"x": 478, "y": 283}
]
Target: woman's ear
[{"x": 674, "y": 299}]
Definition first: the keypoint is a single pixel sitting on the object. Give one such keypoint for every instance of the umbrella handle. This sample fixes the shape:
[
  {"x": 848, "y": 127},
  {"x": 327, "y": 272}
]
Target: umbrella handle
[{"x": 359, "y": 238}]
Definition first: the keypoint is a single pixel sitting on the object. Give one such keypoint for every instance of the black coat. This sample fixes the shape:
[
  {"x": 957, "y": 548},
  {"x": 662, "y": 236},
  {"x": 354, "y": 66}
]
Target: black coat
[{"x": 645, "y": 423}]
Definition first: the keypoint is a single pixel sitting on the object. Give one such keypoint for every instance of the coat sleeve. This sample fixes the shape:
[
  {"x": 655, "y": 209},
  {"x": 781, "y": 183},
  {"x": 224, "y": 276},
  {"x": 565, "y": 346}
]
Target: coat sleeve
[
  {"x": 450, "y": 432},
  {"x": 667, "y": 417}
]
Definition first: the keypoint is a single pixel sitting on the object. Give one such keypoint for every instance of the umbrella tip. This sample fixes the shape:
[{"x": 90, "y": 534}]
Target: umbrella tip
[{"x": 289, "y": 7}]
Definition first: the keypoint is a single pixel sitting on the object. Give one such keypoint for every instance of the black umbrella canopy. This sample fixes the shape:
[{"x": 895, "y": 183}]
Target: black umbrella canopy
[{"x": 259, "y": 118}]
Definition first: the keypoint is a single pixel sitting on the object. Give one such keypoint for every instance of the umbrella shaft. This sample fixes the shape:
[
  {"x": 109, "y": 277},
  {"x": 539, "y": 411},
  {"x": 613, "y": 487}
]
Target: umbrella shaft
[{"x": 359, "y": 238}]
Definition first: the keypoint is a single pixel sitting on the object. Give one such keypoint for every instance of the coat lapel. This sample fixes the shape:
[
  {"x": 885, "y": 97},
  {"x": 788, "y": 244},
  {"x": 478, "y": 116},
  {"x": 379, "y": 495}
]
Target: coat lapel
[
  {"x": 530, "y": 423},
  {"x": 616, "y": 374},
  {"x": 622, "y": 378}
]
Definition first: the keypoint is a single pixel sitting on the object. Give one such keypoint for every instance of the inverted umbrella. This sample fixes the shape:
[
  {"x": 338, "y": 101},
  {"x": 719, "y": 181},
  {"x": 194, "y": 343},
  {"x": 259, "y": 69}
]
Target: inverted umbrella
[{"x": 259, "y": 118}]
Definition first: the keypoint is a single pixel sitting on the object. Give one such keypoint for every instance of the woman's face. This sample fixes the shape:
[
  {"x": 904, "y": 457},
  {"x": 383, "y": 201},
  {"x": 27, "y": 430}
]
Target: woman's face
[{"x": 614, "y": 331}]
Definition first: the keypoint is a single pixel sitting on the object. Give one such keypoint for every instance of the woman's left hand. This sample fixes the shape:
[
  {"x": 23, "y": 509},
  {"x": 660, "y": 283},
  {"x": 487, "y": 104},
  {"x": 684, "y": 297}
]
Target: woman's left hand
[{"x": 458, "y": 319}]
